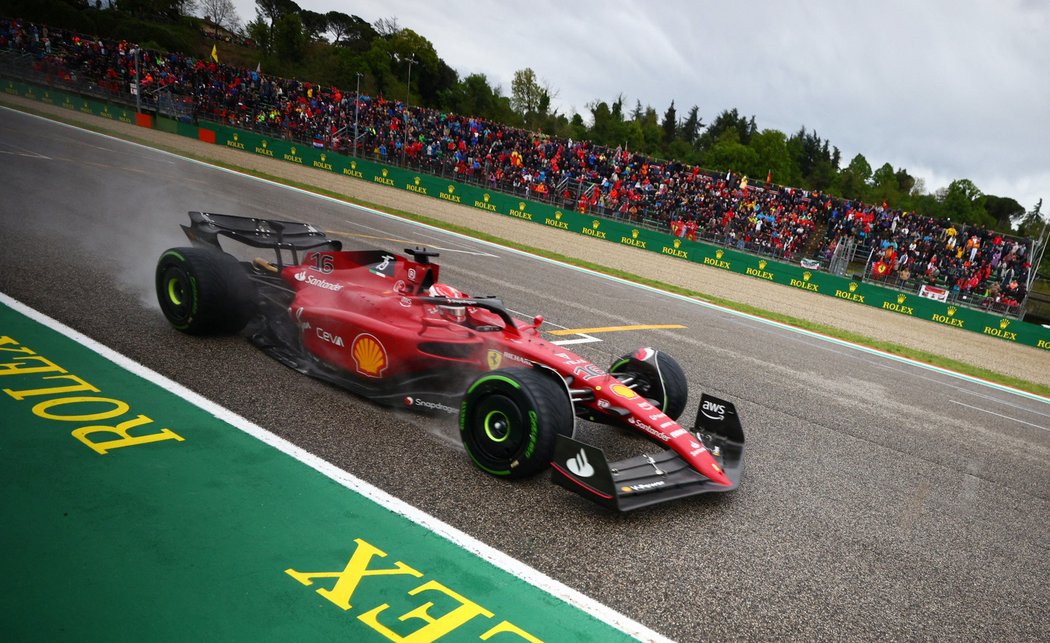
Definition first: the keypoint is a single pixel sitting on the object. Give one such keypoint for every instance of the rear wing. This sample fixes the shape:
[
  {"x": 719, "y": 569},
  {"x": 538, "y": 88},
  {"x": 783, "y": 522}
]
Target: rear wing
[
  {"x": 647, "y": 480},
  {"x": 206, "y": 227}
]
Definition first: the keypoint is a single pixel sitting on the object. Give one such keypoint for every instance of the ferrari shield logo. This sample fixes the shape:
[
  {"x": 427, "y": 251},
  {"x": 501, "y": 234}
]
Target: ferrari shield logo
[{"x": 495, "y": 358}]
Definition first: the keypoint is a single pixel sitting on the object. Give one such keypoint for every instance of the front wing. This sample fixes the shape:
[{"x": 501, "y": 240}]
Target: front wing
[{"x": 647, "y": 480}]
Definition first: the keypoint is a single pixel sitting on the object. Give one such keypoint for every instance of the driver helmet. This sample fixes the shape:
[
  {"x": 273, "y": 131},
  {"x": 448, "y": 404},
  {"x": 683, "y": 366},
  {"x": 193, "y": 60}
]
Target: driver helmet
[{"x": 456, "y": 314}]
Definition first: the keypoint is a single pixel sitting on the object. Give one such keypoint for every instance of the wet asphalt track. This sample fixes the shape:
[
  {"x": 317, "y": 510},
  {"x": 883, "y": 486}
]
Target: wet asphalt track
[{"x": 880, "y": 500}]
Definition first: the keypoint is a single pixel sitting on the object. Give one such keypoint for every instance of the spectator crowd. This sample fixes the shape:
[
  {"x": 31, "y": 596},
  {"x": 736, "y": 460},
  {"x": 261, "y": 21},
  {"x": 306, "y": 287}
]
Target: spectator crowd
[{"x": 689, "y": 202}]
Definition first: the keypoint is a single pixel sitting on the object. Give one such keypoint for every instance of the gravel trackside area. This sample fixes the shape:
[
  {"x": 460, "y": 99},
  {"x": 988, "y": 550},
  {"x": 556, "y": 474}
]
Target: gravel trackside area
[{"x": 991, "y": 353}]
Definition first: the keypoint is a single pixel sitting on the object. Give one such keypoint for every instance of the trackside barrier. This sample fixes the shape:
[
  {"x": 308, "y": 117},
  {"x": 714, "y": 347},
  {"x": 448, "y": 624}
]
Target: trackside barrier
[{"x": 613, "y": 231}]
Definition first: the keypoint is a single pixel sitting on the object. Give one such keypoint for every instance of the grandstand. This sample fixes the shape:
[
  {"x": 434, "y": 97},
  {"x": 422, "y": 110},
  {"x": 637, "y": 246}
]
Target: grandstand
[{"x": 961, "y": 265}]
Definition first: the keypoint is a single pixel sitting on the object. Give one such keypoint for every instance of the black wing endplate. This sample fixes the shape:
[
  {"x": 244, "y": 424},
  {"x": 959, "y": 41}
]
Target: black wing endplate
[
  {"x": 206, "y": 227},
  {"x": 647, "y": 480}
]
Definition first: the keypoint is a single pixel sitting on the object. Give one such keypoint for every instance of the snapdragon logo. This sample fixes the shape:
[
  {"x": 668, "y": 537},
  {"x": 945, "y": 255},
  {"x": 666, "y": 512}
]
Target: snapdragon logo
[{"x": 580, "y": 466}]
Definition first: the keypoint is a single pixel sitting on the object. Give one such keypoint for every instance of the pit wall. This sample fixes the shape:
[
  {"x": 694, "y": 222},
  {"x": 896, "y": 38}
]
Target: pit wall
[{"x": 612, "y": 231}]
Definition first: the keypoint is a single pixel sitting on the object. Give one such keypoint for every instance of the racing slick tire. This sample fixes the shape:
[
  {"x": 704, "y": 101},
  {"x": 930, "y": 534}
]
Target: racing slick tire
[
  {"x": 509, "y": 419},
  {"x": 203, "y": 291},
  {"x": 647, "y": 381}
]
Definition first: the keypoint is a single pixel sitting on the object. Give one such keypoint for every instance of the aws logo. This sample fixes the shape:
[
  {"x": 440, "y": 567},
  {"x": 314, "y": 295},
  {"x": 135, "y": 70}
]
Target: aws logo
[{"x": 370, "y": 356}]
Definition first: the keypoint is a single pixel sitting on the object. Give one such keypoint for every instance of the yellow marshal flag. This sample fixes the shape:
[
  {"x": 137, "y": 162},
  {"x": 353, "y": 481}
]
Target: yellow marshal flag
[{"x": 215, "y": 53}]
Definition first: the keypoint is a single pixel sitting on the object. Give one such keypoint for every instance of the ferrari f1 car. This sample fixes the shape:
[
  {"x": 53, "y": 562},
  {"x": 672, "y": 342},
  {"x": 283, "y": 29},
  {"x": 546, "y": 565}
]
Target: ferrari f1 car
[{"x": 385, "y": 327}]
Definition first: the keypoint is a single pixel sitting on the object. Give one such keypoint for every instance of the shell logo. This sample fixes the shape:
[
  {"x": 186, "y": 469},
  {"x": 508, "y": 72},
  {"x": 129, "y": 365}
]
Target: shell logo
[
  {"x": 1003, "y": 323},
  {"x": 623, "y": 391},
  {"x": 901, "y": 297},
  {"x": 853, "y": 286},
  {"x": 595, "y": 224},
  {"x": 806, "y": 275},
  {"x": 485, "y": 197},
  {"x": 719, "y": 253},
  {"x": 416, "y": 180},
  {"x": 677, "y": 242},
  {"x": 951, "y": 310},
  {"x": 452, "y": 189},
  {"x": 762, "y": 264},
  {"x": 369, "y": 355},
  {"x": 634, "y": 233}
]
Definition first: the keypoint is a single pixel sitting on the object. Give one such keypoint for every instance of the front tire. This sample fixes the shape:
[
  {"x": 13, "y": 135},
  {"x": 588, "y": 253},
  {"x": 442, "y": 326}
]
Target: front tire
[
  {"x": 671, "y": 397},
  {"x": 509, "y": 420},
  {"x": 203, "y": 291}
]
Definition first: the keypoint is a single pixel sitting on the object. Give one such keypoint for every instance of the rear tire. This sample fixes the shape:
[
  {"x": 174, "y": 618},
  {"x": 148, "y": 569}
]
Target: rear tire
[
  {"x": 675, "y": 393},
  {"x": 509, "y": 420},
  {"x": 203, "y": 291}
]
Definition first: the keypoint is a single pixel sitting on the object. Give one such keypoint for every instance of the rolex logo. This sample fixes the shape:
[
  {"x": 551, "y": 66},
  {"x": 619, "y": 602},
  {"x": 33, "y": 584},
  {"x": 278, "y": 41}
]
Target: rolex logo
[
  {"x": 595, "y": 224},
  {"x": 951, "y": 310},
  {"x": 677, "y": 242},
  {"x": 762, "y": 264},
  {"x": 557, "y": 214},
  {"x": 416, "y": 180},
  {"x": 1003, "y": 323},
  {"x": 521, "y": 205},
  {"x": 293, "y": 151},
  {"x": 385, "y": 172},
  {"x": 806, "y": 275},
  {"x": 485, "y": 197},
  {"x": 634, "y": 234},
  {"x": 452, "y": 189},
  {"x": 264, "y": 144},
  {"x": 853, "y": 286},
  {"x": 323, "y": 157},
  {"x": 719, "y": 253},
  {"x": 353, "y": 165},
  {"x": 901, "y": 297}
]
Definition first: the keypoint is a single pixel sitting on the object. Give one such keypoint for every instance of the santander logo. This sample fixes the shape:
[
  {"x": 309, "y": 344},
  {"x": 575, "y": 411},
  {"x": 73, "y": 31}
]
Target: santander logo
[{"x": 579, "y": 465}]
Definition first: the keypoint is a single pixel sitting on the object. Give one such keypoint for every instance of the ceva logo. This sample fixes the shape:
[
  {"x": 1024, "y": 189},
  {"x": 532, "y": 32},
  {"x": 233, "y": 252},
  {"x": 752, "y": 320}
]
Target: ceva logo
[{"x": 580, "y": 466}]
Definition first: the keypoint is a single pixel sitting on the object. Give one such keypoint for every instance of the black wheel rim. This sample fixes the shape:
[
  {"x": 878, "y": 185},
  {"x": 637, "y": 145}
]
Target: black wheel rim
[
  {"x": 499, "y": 428},
  {"x": 175, "y": 294}
]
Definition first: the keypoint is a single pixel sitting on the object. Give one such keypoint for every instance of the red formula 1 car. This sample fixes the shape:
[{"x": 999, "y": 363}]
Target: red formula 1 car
[{"x": 385, "y": 327}]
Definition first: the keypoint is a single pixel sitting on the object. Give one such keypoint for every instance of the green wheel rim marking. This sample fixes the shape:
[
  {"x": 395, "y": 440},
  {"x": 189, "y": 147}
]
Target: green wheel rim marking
[
  {"x": 488, "y": 427},
  {"x": 491, "y": 378},
  {"x": 172, "y": 294}
]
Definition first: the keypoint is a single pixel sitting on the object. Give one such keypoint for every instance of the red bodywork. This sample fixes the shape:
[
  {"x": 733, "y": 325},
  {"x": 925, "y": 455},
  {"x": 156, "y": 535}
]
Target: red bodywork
[{"x": 369, "y": 315}]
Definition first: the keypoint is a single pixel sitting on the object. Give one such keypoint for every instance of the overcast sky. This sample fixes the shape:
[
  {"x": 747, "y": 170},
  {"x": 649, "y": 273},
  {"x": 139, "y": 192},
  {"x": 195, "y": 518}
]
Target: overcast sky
[{"x": 946, "y": 89}]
